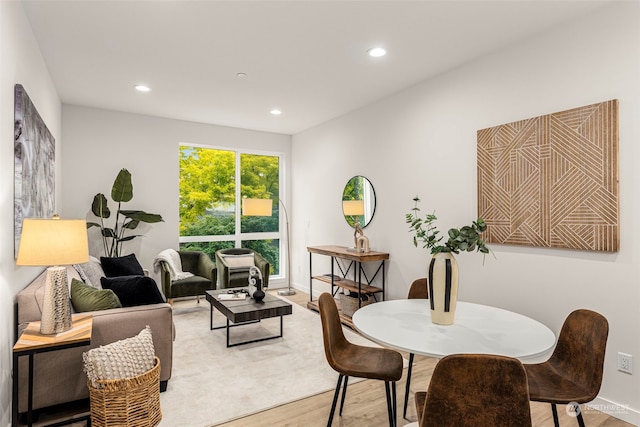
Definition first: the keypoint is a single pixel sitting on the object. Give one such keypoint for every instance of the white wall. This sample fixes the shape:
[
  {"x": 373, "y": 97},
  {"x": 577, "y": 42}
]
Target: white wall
[
  {"x": 98, "y": 143},
  {"x": 423, "y": 141},
  {"x": 20, "y": 62}
]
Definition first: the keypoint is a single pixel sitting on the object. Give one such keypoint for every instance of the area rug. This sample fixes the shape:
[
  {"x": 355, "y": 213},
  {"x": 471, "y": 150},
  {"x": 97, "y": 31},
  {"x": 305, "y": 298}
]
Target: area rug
[{"x": 211, "y": 384}]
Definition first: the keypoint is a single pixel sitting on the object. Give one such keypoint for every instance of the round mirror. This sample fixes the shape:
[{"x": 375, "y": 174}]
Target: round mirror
[{"x": 358, "y": 201}]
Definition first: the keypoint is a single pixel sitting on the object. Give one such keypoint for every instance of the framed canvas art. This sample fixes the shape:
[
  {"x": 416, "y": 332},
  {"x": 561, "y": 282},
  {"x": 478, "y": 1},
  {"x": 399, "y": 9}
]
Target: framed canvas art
[
  {"x": 34, "y": 164},
  {"x": 552, "y": 181}
]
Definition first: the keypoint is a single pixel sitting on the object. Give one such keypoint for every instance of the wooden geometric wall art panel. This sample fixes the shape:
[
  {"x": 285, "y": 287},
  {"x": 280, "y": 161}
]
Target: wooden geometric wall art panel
[{"x": 552, "y": 181}]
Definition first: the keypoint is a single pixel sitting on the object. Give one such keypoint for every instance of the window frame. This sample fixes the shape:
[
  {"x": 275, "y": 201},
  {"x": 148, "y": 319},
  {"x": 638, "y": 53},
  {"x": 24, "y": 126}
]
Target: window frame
[{"x": 238, "y": 237}]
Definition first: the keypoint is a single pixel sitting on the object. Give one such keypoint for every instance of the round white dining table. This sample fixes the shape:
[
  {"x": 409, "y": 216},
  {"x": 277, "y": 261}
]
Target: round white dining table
[{"x": 405, "y": 325}]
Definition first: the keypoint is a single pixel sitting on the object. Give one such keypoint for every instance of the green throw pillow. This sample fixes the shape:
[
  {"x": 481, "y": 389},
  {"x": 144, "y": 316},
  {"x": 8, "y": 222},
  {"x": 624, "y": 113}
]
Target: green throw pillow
[{"x": 87, "y": 298}]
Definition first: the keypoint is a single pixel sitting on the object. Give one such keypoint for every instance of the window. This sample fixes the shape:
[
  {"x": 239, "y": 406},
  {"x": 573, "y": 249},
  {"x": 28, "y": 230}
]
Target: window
[{"x": 210, "y": 201}]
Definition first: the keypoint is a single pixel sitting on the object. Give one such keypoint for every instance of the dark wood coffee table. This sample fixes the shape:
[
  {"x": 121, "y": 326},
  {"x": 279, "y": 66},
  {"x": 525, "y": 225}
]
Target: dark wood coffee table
[{"x": 242, "y": 312}]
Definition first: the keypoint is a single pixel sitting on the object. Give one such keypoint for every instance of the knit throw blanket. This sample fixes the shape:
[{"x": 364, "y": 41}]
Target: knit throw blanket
[{"x": 172, "y": 258}]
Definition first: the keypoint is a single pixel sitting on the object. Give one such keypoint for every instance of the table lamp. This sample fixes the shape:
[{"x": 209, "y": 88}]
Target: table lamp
[
  {"x": 264, "y": 207},
  {"x": 54, "y": 242}
]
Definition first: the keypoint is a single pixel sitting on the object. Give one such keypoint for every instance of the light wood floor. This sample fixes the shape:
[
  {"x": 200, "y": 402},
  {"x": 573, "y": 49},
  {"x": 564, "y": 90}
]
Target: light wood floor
[{"x": 365, "y": 404}]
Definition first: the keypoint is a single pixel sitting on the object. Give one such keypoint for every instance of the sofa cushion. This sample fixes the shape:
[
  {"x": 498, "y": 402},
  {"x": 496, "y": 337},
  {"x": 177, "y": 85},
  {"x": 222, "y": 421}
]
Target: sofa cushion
[
  {"x": 85, "y": 297},
  {"x": 126, "y": 358},
  {"x": 133, "y": 290},
  {"x": 239, "y": 262},
  {"x": 127, "y": 265},
  {"x": 90, "y": 272}
]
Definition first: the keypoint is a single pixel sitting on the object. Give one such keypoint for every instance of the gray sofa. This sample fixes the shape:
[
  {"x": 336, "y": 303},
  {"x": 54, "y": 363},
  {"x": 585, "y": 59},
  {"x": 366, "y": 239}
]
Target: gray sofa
[{"x": 58, "y": 375}]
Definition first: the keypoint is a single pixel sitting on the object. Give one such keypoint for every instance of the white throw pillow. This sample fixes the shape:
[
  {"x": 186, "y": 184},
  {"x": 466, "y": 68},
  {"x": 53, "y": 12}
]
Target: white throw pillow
[
  {"x": 239, "y": 262},
  {"x": 122, "y": 359}
]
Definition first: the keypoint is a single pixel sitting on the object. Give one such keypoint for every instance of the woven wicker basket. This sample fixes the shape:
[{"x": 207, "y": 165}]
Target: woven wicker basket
[
  {"x": 130, "y": 402},
  {"x": 349, "y": 304}
]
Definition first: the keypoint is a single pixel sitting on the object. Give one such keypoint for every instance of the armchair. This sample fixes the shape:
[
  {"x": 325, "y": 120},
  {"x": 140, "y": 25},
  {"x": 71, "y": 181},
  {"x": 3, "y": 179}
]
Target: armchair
[
  {"x": 233, "y": 275},
  {"x": 204, "y": 278}
]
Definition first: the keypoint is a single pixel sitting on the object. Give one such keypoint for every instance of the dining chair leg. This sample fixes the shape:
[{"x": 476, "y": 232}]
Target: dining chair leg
[
  {"x": 387, "y": 389},
  {"x": 406, "y": 390},
  {"x": 580, "y": 420},
  {"x": 335, "y": 400},
  {"x": 344, "y": 393},
  {"x": 394, "y": 404},
  {"x": 554, "y": 411}
]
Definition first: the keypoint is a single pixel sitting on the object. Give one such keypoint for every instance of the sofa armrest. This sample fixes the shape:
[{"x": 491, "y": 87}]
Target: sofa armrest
[
  {"x": 165, "y": 279},
  {"x": 207, "y": 268},
  {"x": 223, "y": 271}
]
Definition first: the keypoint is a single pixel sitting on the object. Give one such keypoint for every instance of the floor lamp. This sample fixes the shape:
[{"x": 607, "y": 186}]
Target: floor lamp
[
  {"x": 264, "y": 207},
  {"x": 54, "y": 242}
]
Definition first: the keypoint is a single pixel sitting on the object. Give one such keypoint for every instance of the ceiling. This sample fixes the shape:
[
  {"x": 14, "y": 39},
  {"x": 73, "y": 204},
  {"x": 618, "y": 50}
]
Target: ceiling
[{"x": 304, "y": 57}]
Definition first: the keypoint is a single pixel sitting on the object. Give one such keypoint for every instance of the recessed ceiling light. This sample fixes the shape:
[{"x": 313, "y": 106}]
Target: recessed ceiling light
[
  {"x": 142, "y": 88},
  {"x": 276, "y": 112},
  {"x": 376, "y": 52},
  {"x": 241, "y": 74}
]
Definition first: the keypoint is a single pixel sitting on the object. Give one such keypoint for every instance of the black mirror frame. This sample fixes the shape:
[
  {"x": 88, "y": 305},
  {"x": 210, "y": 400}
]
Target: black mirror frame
[{"x": 351, "y": 219}]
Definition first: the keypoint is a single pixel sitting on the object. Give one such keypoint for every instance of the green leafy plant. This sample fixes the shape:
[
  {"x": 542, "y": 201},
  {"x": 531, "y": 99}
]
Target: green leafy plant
[
  {"x": 464, "y": 239},
  {"x": 126, "y": 220}
]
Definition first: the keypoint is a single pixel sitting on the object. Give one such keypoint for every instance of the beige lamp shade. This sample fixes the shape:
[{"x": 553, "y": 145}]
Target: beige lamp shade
[
  {"x": 257, "y": 207},
  {"x": 353, "y": 207},
  {"x": 53, "y": 242}
]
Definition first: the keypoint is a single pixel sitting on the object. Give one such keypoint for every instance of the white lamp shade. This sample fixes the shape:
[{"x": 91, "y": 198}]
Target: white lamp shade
[
  {"x": 53, "y": 242},
  {"x": 353, "y": 207},
  {"x": 257, "y": 207}
]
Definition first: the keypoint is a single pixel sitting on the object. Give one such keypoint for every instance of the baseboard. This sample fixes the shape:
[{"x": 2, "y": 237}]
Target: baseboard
[{"x": 618, "y": 410}]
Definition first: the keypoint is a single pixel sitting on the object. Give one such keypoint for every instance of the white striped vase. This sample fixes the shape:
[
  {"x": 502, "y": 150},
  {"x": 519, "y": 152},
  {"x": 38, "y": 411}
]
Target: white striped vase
[{"x": 443, "y": 287}]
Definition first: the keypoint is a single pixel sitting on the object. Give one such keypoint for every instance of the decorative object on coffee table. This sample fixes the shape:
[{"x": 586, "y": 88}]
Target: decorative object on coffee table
[
  {"x": 54, "y": 242},
  {"x": 255, "y": 284},
  {"x": 443, "y": 268}
]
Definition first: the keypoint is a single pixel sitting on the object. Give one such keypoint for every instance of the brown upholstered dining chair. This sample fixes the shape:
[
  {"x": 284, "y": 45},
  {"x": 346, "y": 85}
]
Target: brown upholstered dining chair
[
  {"x": 573, "y": 373},
  {"x": 351, "y": 360},
  {"x": 472, "y": 390},
  {"x": 419, "y": 289}
]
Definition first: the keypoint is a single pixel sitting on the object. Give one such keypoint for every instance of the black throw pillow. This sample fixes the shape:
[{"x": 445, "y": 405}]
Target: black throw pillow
[
  {"x": 127, "y": 265},
  {"x": 133, "y": 290}
]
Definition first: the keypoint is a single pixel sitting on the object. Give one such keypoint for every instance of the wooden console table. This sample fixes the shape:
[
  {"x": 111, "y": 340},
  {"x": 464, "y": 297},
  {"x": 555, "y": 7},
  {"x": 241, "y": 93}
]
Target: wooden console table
[{"x": 352, "y": 275}]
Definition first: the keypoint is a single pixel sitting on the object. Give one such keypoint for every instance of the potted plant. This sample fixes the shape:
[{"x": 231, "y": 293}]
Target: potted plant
[
  {"x": 113, "y": 237},
  {"x": 443, "y": 269}
]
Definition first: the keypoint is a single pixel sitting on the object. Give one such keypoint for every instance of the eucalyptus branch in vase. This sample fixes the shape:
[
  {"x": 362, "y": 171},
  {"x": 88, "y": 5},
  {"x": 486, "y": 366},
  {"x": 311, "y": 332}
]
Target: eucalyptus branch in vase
[{"x": 463, "y": 239}]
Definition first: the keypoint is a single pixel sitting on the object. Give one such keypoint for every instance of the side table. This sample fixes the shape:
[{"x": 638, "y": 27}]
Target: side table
[{"x": 31, "y": 342}]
